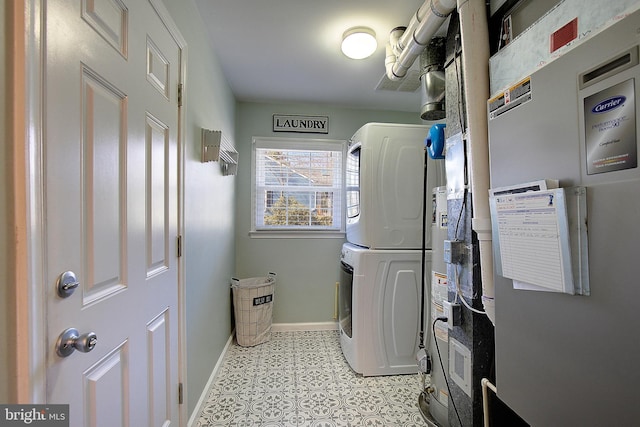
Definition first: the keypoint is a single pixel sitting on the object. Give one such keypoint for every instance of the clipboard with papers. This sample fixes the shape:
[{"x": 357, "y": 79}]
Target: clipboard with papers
[{"x": 540, "y": 236}]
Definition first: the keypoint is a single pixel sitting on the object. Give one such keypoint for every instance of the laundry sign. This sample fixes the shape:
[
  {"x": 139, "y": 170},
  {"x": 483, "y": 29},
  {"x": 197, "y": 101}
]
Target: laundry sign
[{"x": 301, "y": 124}]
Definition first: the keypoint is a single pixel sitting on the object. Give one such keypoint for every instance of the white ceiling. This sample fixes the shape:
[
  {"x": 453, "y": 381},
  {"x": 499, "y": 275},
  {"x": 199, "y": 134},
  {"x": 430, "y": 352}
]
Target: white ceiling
[{"x": 289, "y": 50}]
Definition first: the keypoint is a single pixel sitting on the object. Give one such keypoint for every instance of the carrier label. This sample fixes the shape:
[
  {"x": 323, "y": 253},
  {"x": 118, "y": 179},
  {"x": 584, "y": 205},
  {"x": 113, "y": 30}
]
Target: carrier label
[
  {"x": 609, "y": 104},
  {"x": 265, "y": 299},
  {"x": 610, "y": 129}
]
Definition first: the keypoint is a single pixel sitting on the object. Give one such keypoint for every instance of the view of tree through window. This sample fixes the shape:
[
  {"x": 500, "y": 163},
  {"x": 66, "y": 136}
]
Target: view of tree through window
[
  {"x": 287, "y": 210},
  {"x": 298, "y": 188}
]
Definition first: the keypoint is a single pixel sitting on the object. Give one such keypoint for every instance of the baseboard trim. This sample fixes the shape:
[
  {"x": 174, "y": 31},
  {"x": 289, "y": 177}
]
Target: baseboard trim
[
  {"x": 207, "y": 387},
  {"x": 318, "y": 326}
]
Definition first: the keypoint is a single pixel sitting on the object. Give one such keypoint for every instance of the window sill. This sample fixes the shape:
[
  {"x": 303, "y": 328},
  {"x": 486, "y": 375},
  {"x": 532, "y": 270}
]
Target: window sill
[{"x": 296, "y": 234}]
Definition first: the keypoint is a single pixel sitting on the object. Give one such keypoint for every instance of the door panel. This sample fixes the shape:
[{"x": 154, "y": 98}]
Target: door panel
[
  {"x": 107, "y": 388},
  {"x": 104, "y": 110},
  {"x": 111, "y": 209},
  {"x": 109, "y": 18},
  {"x": 158, "y": 227},
  {"x": 157, "y": 68},
  {"x": 159, "y": 365}
]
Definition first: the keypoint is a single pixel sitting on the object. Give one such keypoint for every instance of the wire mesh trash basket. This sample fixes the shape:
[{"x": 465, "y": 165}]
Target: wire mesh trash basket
[{"x": 253, "y": 308}]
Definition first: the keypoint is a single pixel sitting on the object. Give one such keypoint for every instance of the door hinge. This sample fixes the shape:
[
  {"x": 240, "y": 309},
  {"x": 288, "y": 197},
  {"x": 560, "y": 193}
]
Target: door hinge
[
  {"x": 180, "y": 396},
  {"x": 180, "y": 86},
  {"x": 179, "y": 246}
]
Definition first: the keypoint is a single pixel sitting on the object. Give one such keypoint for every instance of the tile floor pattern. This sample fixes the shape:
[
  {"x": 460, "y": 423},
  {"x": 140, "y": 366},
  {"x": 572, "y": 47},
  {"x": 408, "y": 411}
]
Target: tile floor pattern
[{"x": 302, "y": 379}]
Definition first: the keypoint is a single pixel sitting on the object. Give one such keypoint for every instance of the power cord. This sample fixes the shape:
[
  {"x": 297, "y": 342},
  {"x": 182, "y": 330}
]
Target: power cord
[
  {"x": 459, "y": 294},
  {"x": 444, "y": 372}
]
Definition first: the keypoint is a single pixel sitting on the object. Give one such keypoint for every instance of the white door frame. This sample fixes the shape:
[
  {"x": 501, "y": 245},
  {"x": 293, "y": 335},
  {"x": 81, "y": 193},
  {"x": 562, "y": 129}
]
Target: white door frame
[{"x": 29, "y": 327}]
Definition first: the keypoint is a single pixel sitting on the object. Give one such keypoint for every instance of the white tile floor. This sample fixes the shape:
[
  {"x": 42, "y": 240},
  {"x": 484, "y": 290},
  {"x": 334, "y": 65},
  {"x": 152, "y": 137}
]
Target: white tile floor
[{"x": 302, "y": 379}]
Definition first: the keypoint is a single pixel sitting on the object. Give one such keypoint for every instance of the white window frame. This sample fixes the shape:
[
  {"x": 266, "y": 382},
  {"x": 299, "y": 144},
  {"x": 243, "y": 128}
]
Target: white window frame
[{"x": 297, "y": 144}]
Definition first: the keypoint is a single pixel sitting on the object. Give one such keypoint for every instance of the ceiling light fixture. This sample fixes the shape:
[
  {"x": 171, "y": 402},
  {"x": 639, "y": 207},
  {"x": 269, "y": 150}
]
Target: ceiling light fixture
[{"x": 359, "y": 42}]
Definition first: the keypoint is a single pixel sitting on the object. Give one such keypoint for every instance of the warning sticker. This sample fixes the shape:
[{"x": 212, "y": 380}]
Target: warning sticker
[{"x": 511, "y": 98}]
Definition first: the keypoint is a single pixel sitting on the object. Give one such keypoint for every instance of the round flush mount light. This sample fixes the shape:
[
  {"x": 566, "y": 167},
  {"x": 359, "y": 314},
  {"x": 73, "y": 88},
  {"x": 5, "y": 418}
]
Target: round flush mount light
[{"x": 359, "y": 42}]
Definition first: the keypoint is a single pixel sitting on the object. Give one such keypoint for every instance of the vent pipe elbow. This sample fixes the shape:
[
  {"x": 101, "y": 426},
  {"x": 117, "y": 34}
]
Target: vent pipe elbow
[
  {"x": 393, "y": 49},
  {"x": 394, "y": 39},
  {"x": 390, "y": 59}
]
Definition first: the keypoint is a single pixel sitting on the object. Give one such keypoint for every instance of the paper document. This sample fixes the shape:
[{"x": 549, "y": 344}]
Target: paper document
[{"x": 533, "y": 238}]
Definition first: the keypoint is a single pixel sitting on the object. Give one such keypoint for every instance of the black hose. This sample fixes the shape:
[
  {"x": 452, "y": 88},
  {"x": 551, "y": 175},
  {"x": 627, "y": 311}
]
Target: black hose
[{"x": 424, "y": 244}]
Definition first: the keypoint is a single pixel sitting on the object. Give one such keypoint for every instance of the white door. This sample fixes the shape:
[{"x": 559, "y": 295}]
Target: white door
[{"x": 111, "y": 210}]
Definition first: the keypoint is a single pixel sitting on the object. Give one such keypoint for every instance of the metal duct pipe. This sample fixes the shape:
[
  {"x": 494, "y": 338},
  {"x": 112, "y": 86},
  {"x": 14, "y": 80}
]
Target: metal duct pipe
[
  {"x": 427, "y": 20},
  {"x": 432, "y": 80},
  {"x": 475, "y": 69}
]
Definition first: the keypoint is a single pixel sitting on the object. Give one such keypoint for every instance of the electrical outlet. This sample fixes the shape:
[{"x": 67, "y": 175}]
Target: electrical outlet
[{"x": 453, "y": 313}]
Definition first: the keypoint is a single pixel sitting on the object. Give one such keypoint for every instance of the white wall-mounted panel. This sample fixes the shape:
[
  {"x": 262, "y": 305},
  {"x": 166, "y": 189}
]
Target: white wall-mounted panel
[
  {"x": 551, "y": 334},
  {"x": 460, "y": 365},
  {"x": 531, "y": 49}
]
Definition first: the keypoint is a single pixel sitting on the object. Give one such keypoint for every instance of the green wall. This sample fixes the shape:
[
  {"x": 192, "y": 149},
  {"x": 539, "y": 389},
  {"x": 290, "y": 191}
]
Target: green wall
[
  {"x": 307, "y": 269},
  {"x": 217, "y": 210},
  {"x": 209, "y": 205}
]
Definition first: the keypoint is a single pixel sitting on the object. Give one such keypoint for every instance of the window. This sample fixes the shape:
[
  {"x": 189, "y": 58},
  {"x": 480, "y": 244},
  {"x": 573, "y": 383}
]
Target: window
[{"x": 297, "y": 185}]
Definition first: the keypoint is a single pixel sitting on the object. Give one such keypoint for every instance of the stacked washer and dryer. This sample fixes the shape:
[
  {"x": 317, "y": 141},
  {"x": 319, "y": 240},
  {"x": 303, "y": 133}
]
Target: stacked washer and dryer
[{"x": 381, "y": 265}]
